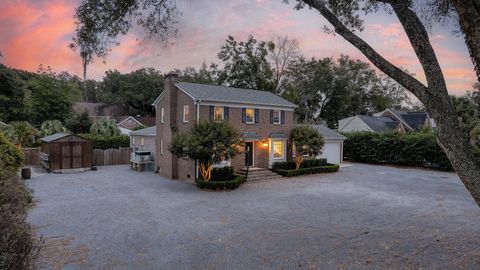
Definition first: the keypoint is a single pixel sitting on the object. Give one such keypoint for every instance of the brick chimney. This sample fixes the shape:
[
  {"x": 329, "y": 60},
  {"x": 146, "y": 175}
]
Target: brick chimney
[{"x": 169, "y": 86}]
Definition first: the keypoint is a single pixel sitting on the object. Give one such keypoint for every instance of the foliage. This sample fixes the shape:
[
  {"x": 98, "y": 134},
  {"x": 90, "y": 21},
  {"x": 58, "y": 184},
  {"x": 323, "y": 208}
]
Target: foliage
[
  {"x": 50, "y": 127},
  {"x": 291, "y": 165},
  {"x": 79, "y": 123},
  {"x": 409, "y": 149},
  {"x": 223, "y": 174},
  {"x": 475, "y": 134},
  {"x": 306, "y": 141},
  {"x": 221, "y": 185},
  {"x": 329, "y": 168},
  {"x": 246, "y": 64},
  {"x": 205, "y": 74},
  {"x": 18, "y": 245},
  {"x": 207, "y": 142},
  {"x": 21, "y": 133},
  {"x": 107, "y": 142},
  {"x": 11, "y": 156},
  {"x": 105, "y": 127},
  {"x": 15, "y": 98},
  {"x": 136, "y": 90}
]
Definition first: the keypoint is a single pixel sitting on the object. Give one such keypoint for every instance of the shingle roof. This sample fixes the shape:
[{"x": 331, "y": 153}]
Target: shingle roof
[
  {"x": 329, "y": 134},
  {"x": 415, "y": 120},
  {"x": 379, "y": 123},
  {"x": 149, "y": 131},
  {"x": 54, "y": 137},
  {"x": 278, "y": 135},
  {"x": 250, "y": 135},
  {"x": 215, "y": 93}
]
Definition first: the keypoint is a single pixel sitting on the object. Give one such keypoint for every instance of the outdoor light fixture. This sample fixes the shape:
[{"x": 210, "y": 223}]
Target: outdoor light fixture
[{"x": 265, "y": 144}]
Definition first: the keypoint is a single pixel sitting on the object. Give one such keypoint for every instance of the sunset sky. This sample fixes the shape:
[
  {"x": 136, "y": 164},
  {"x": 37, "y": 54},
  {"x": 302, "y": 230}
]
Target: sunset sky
[{"x": 38, "y": 32}]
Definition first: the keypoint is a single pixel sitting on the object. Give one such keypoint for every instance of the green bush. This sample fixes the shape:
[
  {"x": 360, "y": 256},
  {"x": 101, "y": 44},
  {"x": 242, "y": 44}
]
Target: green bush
[
  {"x": 222, "y": 174},
  {"x": 409, "y": 149},
  {"x": 221, "y": 185},
  {"x": 103, "y": 142},
  {"x": 307, "y": 163},
  {"x": 10, "y": 155},
  {"x": 329, "y": 168}
]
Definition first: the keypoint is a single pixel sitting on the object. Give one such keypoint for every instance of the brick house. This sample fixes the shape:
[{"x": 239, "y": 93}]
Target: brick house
[{"x": 264, "y": 119}]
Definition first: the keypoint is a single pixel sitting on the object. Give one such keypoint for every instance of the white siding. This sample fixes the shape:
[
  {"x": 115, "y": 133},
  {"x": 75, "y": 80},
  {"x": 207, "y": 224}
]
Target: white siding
[
  {"x": 352, "y": 124},
  {"x": 332, "y": 151}
]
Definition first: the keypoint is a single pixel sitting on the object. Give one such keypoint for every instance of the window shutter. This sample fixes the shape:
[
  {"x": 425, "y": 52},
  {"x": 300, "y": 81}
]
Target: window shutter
[
  {"x": 244, "y": 115},
  {"x": 282, "y": 116},
  {"x": 226, "y": 112},
  {"x": 271, "y": 116},
  {"x": 210, "y": 115},
  {"x": 257, "y": 115}
]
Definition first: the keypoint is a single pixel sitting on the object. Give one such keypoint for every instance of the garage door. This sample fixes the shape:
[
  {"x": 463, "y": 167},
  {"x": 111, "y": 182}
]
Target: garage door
[{"x": 332, "y": 152}]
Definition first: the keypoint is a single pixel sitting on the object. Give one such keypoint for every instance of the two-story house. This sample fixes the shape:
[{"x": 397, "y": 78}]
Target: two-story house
[{"x": 264, "y": 119}]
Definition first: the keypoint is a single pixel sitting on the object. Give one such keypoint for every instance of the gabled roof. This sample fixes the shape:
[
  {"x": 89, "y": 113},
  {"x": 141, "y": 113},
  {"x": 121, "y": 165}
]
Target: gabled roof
[
  {"x": 146, "y": 121},
  {"x": 328, "y": 134},
  {"x": 414, "y": 120},
  {"x": 214, "y": 93},
  {"x": 54, "y": 137},
  {"x": 379, "y": 123},
  {"x": 149, "y": 131}
]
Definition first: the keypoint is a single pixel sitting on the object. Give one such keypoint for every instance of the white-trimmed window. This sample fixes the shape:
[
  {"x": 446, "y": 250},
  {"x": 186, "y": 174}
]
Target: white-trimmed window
[
  {"x": 186, "y": 113},
  {"x": 277, "y": 117},
  {"x": 142, "y": 141},
  {"x": 161, "y": 146},
  {"x": 249, "y": 115},
  {"x": 278, "y": 149},
  {"x": 218, "y": 114},
  {"x": 162, "y": 113}
]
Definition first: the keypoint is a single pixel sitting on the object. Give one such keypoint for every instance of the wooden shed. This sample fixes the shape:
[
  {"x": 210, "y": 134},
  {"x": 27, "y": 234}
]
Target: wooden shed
[{"x": 63, "y": 152}]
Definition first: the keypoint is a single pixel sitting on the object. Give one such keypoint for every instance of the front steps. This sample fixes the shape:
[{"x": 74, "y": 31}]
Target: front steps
[{"x": 256, "y": 174}]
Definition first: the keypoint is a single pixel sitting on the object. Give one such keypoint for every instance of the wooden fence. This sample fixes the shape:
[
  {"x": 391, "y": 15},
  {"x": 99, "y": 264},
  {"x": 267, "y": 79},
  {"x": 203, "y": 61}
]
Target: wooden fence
[
  {"x": 100, "y": 157},
  {"x": 32, "y": 156},
  {"x": 111, "y": 156}
]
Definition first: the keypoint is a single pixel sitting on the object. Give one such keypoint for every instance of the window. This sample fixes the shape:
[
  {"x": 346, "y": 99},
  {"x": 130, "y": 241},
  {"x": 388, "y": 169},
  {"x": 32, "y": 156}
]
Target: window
[
  {"x": 250, "y": 116},
  {"x": 276, "y": 117},
  {"x": 218, "y": 116},
  {"x": 142, "y": 141},
  {"x": 161, "y": 146},
  {"x": 133, "y": 140},
  {"x": 278, "y": 149},
  {"x": 186, "y": 113},
  {"x": 162, "y": 118}
]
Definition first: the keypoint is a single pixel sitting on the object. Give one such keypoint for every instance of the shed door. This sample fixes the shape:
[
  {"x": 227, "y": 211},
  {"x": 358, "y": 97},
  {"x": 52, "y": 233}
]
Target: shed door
[
  {"x": 77, "y": 155},
  {"x": 66, "y": 155}
]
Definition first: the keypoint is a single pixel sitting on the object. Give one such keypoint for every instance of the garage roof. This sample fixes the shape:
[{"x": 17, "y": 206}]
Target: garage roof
[{"x": 329, "y": 134}]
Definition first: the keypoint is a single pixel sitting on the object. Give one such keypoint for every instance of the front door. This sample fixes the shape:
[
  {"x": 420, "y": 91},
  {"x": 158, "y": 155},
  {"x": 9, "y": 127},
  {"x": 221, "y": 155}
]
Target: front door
[{"x": 248, "y": 153}]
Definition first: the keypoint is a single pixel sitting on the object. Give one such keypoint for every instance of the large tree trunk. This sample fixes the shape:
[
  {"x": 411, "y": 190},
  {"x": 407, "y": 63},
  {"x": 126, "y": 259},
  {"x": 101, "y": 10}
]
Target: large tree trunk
[
  {"x": 469, "y": 19},
  {"x": 435, "y": 97}
]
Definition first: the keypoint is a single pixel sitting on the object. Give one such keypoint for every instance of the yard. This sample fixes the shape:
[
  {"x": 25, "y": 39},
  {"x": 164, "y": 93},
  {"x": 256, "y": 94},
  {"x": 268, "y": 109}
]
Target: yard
[{"x": 362, "y": 217}]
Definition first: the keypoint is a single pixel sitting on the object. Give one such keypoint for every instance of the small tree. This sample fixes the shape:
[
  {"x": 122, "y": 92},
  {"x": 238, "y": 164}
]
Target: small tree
[
  {"x": 50, "y": 127},
  {"x": 80, "y": 123},
  {"x": 105, "y": 127},
  {"x": 209, "y": 143},
  {"x": 306, "y": 141},
  {"x": 21, "y": 133}
]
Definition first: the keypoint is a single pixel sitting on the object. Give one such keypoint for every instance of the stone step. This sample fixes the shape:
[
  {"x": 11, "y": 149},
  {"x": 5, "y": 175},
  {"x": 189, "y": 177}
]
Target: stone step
[{"x": 257, "y": 174}]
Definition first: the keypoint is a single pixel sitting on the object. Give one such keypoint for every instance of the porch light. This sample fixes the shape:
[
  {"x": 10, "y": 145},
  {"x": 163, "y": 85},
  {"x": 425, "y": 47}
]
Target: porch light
[{"x": 264, "y": 143}]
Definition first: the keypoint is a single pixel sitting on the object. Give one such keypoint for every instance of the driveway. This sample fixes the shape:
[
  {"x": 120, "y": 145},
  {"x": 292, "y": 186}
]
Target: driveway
[{"x": 363, "y": 217}]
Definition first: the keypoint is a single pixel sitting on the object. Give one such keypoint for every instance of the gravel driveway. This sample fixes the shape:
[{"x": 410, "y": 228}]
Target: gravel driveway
[{"x": 363, "y": 217}]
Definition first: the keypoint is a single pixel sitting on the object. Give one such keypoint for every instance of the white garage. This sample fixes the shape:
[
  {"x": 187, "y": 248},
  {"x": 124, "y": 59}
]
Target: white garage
[{"x": 333, "y": 149}]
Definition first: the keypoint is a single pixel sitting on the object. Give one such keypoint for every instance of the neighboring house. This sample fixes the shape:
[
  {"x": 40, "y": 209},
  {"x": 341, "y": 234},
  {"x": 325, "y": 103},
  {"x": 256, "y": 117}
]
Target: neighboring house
[
  {"x": 135, "y": 122},
  {"x": 333, "y": 148},
  {"x": 264, "y": 119},
  {"x": 410, "y": 120},
  {"x": 144, "y": 140},
  {"x": 369, "y": 123}
]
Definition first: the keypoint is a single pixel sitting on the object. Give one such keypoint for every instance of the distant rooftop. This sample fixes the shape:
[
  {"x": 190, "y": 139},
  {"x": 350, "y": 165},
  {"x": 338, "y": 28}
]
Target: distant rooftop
[
  {"x": 379, "y": 123},
  {"x": 216, "y": 93},
  {"x": 329, "y": 134},
  {"x": 149, "y": 131}
]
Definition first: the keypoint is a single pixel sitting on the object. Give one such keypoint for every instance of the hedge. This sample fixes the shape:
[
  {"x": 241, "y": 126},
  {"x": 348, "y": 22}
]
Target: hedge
[
  {"x": 102, "y": 142},
  {"x": 221, "y": 185},
  {"x": 307, "y": 163},
  {"x": 222, "y": 174},
  {"x": 408, "y": 149},
  {"x": 329, "y": 168}
]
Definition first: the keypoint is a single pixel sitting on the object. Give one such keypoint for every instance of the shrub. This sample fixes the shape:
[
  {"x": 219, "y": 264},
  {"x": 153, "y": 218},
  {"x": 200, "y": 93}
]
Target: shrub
[
  {"x": 104, "y": 142},
  {"x": 104, "y": 127},
  {"x": 221, "y": 185},
  {"x": 10, "y": 155},
  {"x": 329, "y": 168},
  {"x": 409, "y": 149},
  {"x": 50, "y": 127},
  {"x": 307, "y": 163},
  {"x": 222, "y": 174},
  {"x": 21, "y": 133}
]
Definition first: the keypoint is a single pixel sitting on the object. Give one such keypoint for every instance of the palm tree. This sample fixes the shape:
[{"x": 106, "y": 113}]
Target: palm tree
[
  {"x": 105, "y": 127},
  {"x": 50, "y": 127},
  {"x": 21, "y": 133}
]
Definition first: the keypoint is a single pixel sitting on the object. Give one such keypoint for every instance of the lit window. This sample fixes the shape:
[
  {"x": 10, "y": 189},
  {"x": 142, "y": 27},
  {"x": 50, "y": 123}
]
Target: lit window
[
  {"x": 250, "y": 116},
  {"x": 278, "y": 149},
  {"x": 218, "y": 114},
  {"x": 186, "y": 113},
  {"x": 162, "y": 118},
  {"x": 276, "y": 117},
  {"x": 142, "y": 141}
]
